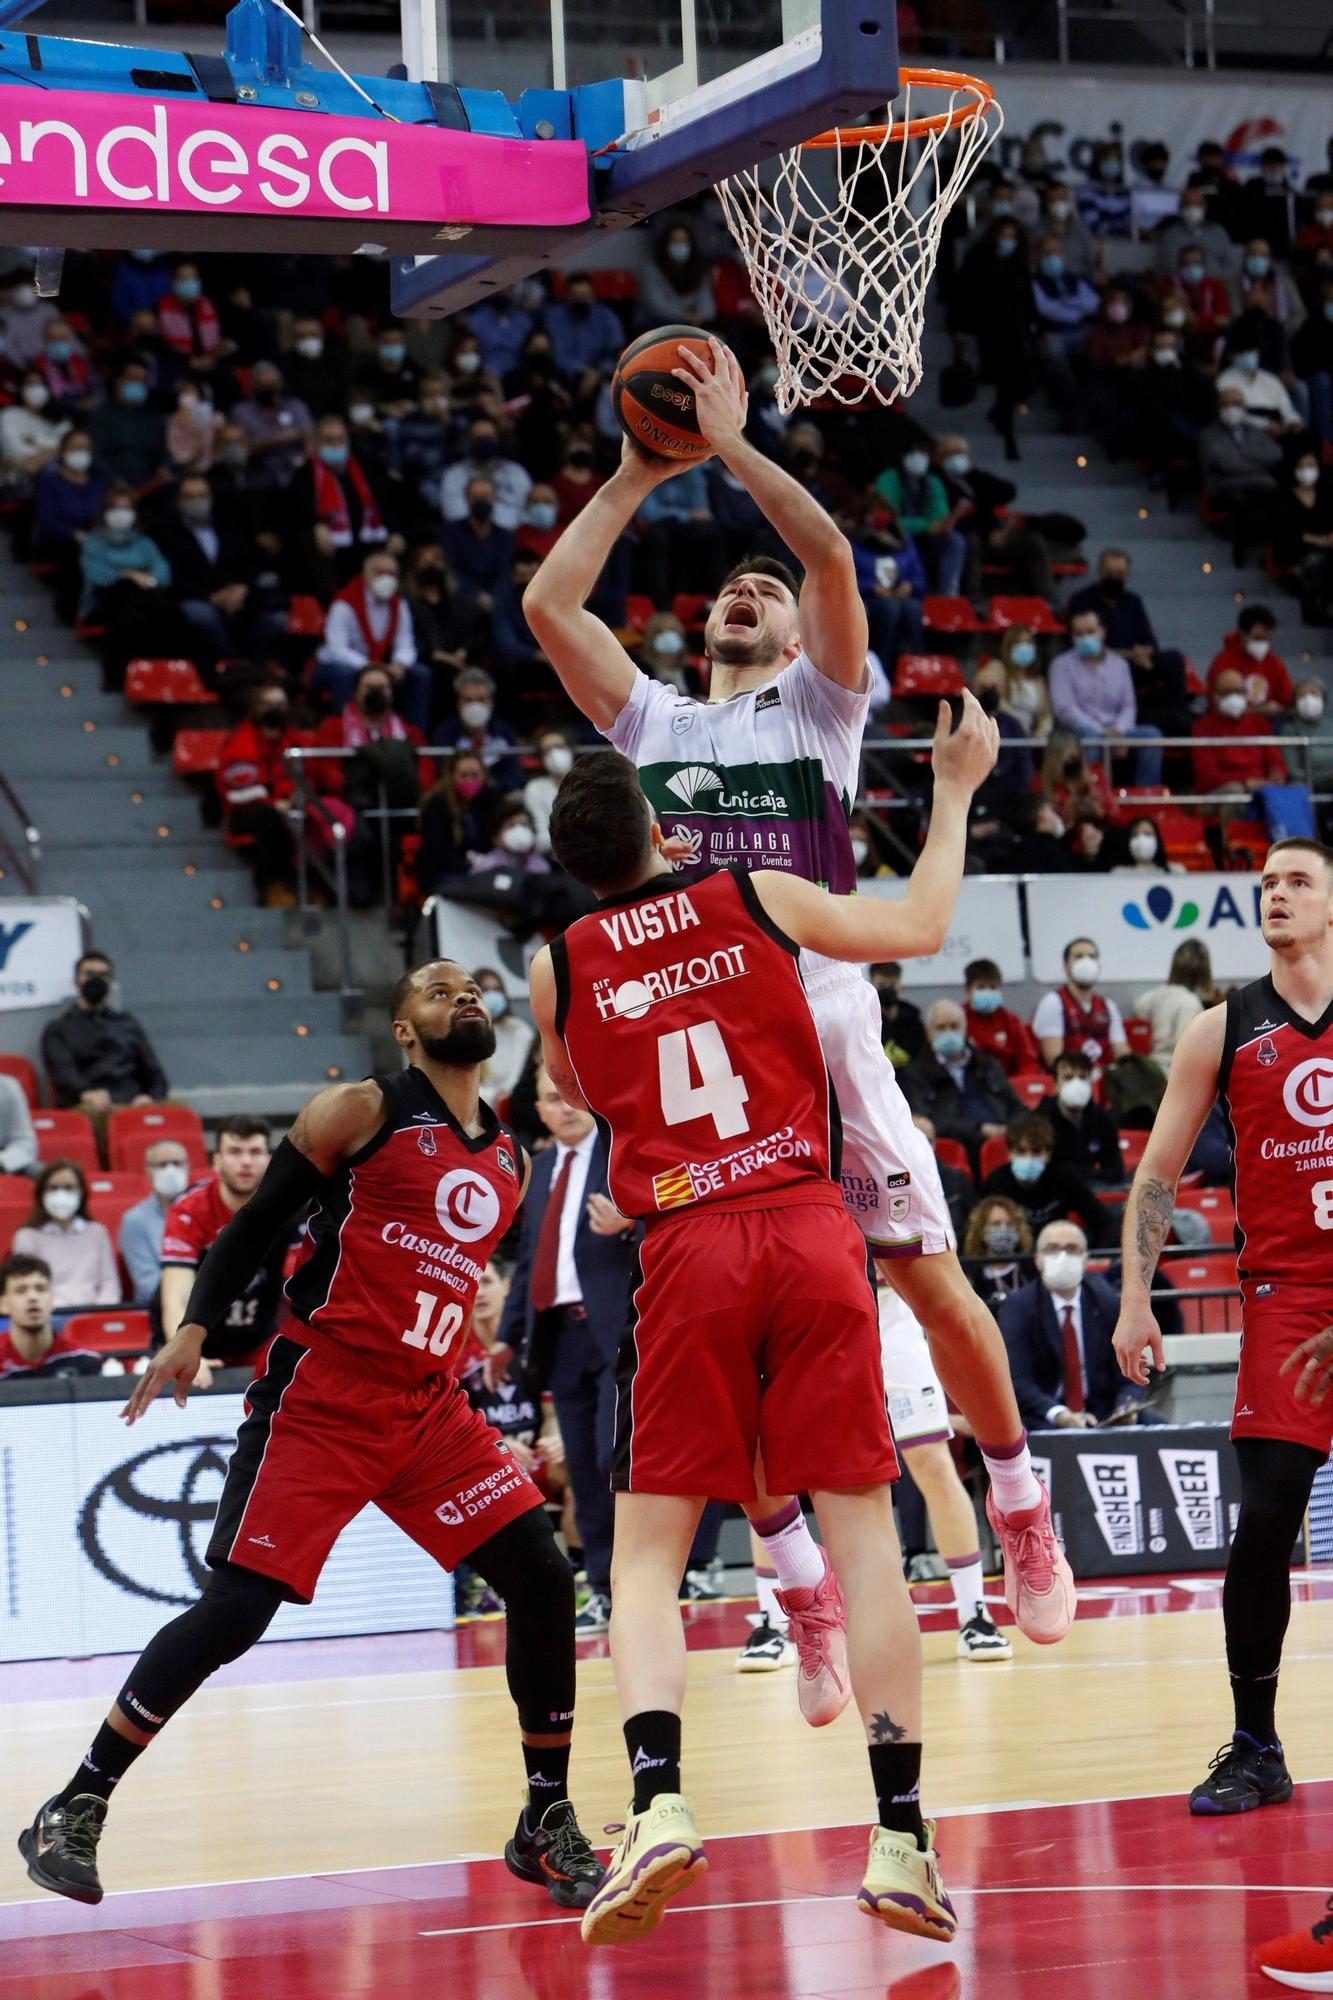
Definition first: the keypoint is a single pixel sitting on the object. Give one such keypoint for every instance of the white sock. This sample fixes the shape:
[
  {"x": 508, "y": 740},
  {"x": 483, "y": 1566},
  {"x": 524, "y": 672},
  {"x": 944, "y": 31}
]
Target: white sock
[
  {"x": 766, "y": 1590},
  {"x": 793, "y": 1552},
  {"x": 1013, "y": 1481},
  {"x": 965, "y": 1576}
]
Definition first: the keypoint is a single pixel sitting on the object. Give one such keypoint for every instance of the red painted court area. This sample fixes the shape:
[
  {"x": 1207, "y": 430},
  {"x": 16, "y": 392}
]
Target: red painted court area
[{"x": 1123, "y": 1901}]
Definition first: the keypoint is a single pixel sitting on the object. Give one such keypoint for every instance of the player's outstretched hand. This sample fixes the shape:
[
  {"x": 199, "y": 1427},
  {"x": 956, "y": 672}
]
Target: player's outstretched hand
[
  {"x": 649, "y": 468},
  {"x": 965, "y": 756},
  {"x": 1314, "y": 1359},
  {"x": 721, "y": 401},
  {"x": 1135, "y": 1330},
  {"x": 177, "y": 1363}
]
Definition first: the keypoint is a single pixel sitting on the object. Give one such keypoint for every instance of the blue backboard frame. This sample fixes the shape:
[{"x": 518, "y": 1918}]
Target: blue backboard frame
[{"x": 854, "y": 72}]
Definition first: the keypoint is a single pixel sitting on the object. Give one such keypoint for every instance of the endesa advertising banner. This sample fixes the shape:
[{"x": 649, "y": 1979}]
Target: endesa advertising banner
[{"x": 1130, "y": 1502}]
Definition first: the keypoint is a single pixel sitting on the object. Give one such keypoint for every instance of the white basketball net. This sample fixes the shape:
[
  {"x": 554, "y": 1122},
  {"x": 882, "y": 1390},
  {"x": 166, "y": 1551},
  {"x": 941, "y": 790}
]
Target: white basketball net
[{"x": 840, "y": 242}]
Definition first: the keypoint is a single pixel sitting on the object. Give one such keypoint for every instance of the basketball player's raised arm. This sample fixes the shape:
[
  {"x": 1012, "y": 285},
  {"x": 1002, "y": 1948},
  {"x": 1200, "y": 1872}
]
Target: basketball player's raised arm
[
  {"x": 1190, "y": 1091},
  {"x": 334, "y": 1124},
  {"x": 555, "y": 1059},
  {"x": 864, "y": 929},
  {"x": 832, "y": 618},
  {"x": 595, "y": 670}
]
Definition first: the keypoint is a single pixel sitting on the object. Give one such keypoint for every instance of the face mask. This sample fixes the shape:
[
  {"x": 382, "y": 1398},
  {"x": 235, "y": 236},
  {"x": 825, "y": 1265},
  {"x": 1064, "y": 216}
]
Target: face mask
[
  {"x": 1002, "y": 206},
  {"x": 62, "y": 1204},
  {"x": 1113, "y": 587},
  {"x": 95, "y": 988},
  {"x": 24, "y": 297},
  {"x": 1118, "y": 312},
  {"x": 1075, "y": 1092},
  {"x": 484, "y": 448},
  {"x": 1088, "y": 645},
  {"x": 1307, "y": 475},
  {"x": 1005, "y": 246},
  {"x": 1143, "y": 847},
  {"x": 474, "y": 714},
  {"x": 392, "y": 354},
  {"x": 860, "y": 849},
  {"x": 120, "y": 520},
  {"x": 1052, "y": 266},
  {"x": 78, "y": 461},
  {"x": 679, "y": 253},
  {"x": 1248, "y": 364},
  {"x": 169, "y": 1180},
  {"x": 143, "y": 256},
  {"x": 1275, "y": 177},
  {"x": 1109, "y": 170},
  {"x": 59, "y": 350},
  {"x": 273, "y": 719},
  {"x": 1175, "y": 318},
  {"x": 948, "y": 1044},
  {"x": 198, "y": 511},
  {"x": 495, "y": 1004},
  {"x": 188, "y": 289},
  {"x": 542, "y": 514},
  {"x": 481, "y": 510},
  {"x": 1232, "y": 706},
  {"x": 765, "y": 378},
  {"x": 468, "y": 364},
  {"x": 1232, "y": 415},
  {"x": 1192, "y": 273},
  {"x": 558, "y": 760},
  {"x": 1062, "y": 1270},
  {"x": 468, "y": 788},
  {"x": 310, "y": 347},
  {"x": 334, "y": 455},
  {"x": 916, "y": 464},
  {"x": 1022, "y": 653},
  {"x": 1085, "y": 970},
  {"x": 580, "y": 308},
  {"x": 1258, "y": 267},
  {"x": 1309, "y": 707},
  {"x": 518, "y": 839},
  {"x": 957, "y": 464},
  {"x": 1165, "y": 357},
  {"x": 384, "y": 587},
  {"x": 1059, "y": 211},
  {"x": 361, "y": 414},
  {"x": 1258, "y": 649},
  {"x": 36, "y": 396},
  {"x": 375, "y": 700},
  {"x": 1028, "y": 1167},
  {"x": 1192, "y": 217},
  {"x": 670, "y": 642},
  {"x": 986, "y": 1000},
  {"x": 1001, "y": 1239},
  {"x": 581, "y": 457},
  {"x": 1324, "y": 218}
]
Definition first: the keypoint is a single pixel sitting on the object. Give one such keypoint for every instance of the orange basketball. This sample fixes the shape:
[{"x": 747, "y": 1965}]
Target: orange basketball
[{"x": 653, "y": 408}]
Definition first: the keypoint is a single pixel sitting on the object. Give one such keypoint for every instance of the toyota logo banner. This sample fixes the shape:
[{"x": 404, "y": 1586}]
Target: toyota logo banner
[{"x": 103, "y": 1533}]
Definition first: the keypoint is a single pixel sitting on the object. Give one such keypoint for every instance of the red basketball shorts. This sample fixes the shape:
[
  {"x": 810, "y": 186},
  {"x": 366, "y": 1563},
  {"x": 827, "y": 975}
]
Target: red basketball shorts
[
  {"x": 1274, "y": 1326},
  {"x": 752, "y": 1328},
  {"x": 318, "y": 1444}
]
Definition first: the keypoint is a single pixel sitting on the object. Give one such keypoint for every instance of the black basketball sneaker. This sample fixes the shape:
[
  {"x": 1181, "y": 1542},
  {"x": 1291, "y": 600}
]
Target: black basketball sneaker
[
  {"x": 1243, "y": 1775},
  {"x": 60, "y": 1847},
  {"x": 557, "y": 1855}
]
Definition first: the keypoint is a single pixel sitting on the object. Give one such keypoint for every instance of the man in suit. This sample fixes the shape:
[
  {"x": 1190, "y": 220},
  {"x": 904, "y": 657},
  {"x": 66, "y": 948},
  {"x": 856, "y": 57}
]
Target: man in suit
[
  {"x": 1058, "y": 1331},
  {"x": 565, "y": 1313},
  {"x": 213, "y": 567}
]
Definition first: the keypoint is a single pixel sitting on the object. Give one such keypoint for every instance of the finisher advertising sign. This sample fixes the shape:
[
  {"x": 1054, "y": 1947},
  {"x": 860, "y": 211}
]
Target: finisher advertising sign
[{"x": 1130, "y": 1502}]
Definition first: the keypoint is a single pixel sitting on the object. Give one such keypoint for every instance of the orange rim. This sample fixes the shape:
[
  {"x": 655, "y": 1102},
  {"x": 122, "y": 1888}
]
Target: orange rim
[{"x": 914, "y": 128}]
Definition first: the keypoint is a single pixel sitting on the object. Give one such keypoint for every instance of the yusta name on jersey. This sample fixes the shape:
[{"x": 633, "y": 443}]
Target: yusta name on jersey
[
  {"x": 694, "y": 1179},
  {"x": 646, "y": 923}
]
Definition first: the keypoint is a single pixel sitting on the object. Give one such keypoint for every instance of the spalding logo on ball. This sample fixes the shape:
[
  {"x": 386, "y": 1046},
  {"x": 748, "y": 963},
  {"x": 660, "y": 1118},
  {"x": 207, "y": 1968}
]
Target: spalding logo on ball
[{"x": 654, "y": 408}]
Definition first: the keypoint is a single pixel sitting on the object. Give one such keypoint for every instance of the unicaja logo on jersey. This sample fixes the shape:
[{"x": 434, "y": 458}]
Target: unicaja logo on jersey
[
  {"x": 467, "y": 1205},
  {"x": 693, "y": 781},
  {"x": 1308, "y": 1092}
]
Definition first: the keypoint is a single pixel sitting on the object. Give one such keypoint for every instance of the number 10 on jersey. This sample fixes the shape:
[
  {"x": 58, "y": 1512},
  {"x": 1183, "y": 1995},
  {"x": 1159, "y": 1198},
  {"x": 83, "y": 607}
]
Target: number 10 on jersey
[{"x": 446, "y": 1326}]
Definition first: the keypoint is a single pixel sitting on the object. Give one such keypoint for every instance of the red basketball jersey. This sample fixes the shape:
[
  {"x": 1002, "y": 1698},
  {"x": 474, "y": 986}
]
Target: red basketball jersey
[
  {"x": 394, "y": 1253},
  {"x": 1276, "y": 1086},
  {"x": 693, "y": 1042}
]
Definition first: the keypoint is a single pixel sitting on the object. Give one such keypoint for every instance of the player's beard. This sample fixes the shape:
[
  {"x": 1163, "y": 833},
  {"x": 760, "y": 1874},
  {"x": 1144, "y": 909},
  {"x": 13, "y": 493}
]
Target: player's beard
[{"x": 466, "y": 1042}]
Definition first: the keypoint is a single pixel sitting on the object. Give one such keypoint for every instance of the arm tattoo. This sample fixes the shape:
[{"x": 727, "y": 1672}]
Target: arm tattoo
[
  {"x": 883, "y": 1728},
  {"x": 300, "y": 1132},
  {"x": 1156, "y": 1205}
]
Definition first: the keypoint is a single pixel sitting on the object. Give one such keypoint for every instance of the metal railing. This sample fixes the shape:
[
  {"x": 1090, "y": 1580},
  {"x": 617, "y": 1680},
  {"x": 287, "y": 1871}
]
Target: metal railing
[
  {"x": 20, "y": 842},
  {"x": 1195, "y": 24}
]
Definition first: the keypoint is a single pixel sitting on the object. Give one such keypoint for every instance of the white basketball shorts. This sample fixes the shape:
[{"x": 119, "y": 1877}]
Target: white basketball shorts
[{"x": 917, "y": 1409}]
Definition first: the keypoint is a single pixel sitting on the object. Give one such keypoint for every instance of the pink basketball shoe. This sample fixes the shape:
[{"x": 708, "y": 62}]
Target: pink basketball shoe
[
  {"x": 1038, "y": 1582},
  {"x": 817, "y": 1621}
]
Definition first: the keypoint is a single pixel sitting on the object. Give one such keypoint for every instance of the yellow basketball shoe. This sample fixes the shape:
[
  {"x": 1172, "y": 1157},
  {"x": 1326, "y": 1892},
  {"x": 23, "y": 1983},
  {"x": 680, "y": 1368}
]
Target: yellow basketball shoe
[
  {"x": 903, "y": 1886},
  {"x": 659, "y": 1854}
]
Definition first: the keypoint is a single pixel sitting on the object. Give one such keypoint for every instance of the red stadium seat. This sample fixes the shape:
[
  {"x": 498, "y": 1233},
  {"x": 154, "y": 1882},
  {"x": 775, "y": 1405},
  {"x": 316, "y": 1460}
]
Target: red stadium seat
[
  {"x": 169, "y": 682},
  {"x": 638, "y": 611},
  {"x": 305, "y": 618},
  {"x": 1034, "y": 612},
  {"x": 132, "y": 1128},
  {"x": 1245, "y": 844},
  {"x": 1214, "y": 1271},
  {"x": 1031, "y": 1086},
  {"x": 952, "y": 1153},
  {"x": 196, "y": 753},
  {"x": 950, "y": 614},
  {"x": 692, "y": 608},
  {"x": 1132, "y": 1147},
  {"x": 16, "y": 1205},
  {"x": 1216, "y": 1207},
  {"x": 109, "y": 1195},
  {"x": 930, "y": 674},
  {"x": 24, "y": 1074},
  {"x": 119, "y": 1333},
  {"x": 1183, "y": 837},
  {"x": 1138, "y": 1033},
  {"x": 66, "y": 1135},
  {"x": 994, "y": 1153}
]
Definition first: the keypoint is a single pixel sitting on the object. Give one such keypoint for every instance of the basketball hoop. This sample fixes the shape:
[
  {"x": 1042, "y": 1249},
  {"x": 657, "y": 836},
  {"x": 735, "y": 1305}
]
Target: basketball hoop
[{"x": 840, "y": 271}]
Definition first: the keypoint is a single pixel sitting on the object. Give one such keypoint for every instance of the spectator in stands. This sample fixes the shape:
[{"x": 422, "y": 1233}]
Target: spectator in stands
[
  {"x": 24, "y": 319},
  {"x": 867, "y": 847},
  {"x": 513, "y": 1036},
  {"x": 316, "y": 370},
  {"x": 678, "y": 541},
  {"x": 129, "y": 435},
  {"x": 370, "y": 623},
  {"x": 210, "y": 566},
  {"x": 1239, "y": 462},
  {"x": 1264, "y": 395},
  {"x": 992, "y": 1028},
  {"x": 539, "y": 530},
  {"x": 1159, "y": 676},
  {"x": 502, "y": 326},
  {"x": 479, "y": 554},
  {"x": 1269, "y": 295},
  {"x": 1249, "y": 651},
  {"x": 584, "y": 334},
  {"x": 67, "y": 502},
  {"x": 167, "y": 1165},
  {"x": 1117, "y": 349},
  {"x": 993, "y": 303},
  {"x": 278, "y": 426},
  {"x": 125, "y": 579},
  {"x": 902, "y": 1031},
  {"x": 193, "y": 1224},
  {"x": 892, "y": 583},
  {"x": 95, "y": 1055},
  {"x": 1103, "y": 200},
  {"x": 1087, "y": 1138},
  {"x": 455, "y": 817},
  {"x": 1092, "y": 693},
  {"x": 385, "y": 774},
  {"x": 1066, "y": 307},
  {"x": 472, "y": 387},
  {"x": 1009, "y": 545},
  {"x": 389, "y": 380},
  {"x": 1191, "y": 229},
  {"x": 1025, "y": 695},
  {"x": 1186, "y": 991},
  {"x": 965, "y": 1095},
  {"x": 676, "y": 285},
  {"x": 1312, "y": 357},
  {"x": 1039, "y": 1186},
  {"x": 1151, "y": 200},
  {"x": 997, "y": 1248},
  {"x": 557, "y": 756},
  {"x": 18, "y": 1141},
  {"x": 921, "y": 508},
  {"x": 1266, "y": 206},
  {"x": 77, "y": 1250},
  {"x": 1172, "y": 401},
  {"x": 192, "y": 430},
  {"x": 1308, "y": 720},
  {"x": 1144, "y": 852},
  {"x": 255, "y": 785},
  {"x": 1206, "y": 294},
  {"x": 30, "y": 1345},
  {"x": 519, "y": 660},
  {"x": 29, "y": 437},
  {"x": 1061, "y": 221},
  {"x": 334, "y": 517},
  {"x": 63, "y": 366},
  {"x": 1302, "y": 537},
  {"x": 475, "y": 726},
  {"x": 512, "y": 850},
  {"x": 1002, "y": 795},
  {"x": 1213, "y": 174},
  {"x": 1231, "y": 771},
  {"x": 1058, "y": 1331},
  {"x": 1079, "y": 793},
  {"x": 1076, "y": 1015},
  {"x": 189, "y": 325},
  {"x": 539, "y": 405},
  {"x": 484, "y": 458}
]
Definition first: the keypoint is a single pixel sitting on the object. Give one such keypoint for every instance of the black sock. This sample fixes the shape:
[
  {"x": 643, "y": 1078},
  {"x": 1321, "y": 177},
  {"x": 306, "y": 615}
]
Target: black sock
[
  {"x": 895, "y": 1771},
  {"x": 653, "y": 1742},
  {"x": 548, "y": 1777},
  {"x": 1255, "y": 1703},
  {"x": 106, "y": 1760}
]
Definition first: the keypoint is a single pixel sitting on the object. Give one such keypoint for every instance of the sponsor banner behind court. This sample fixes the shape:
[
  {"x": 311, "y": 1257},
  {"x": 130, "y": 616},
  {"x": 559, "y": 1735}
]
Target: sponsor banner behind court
[
  {"x": 1136, "y": 1502},
  {"x": 1137, "y": 923},
  {"x": 40, "y": 938}
]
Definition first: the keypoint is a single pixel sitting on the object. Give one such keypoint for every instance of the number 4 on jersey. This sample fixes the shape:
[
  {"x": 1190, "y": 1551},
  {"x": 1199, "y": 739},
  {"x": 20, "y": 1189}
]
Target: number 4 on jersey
[{"x": 719, "y": 1093}]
